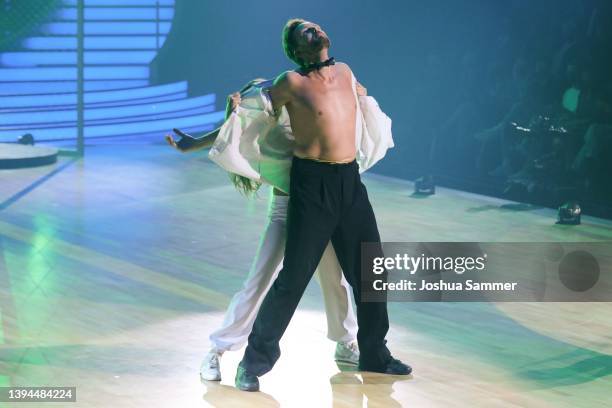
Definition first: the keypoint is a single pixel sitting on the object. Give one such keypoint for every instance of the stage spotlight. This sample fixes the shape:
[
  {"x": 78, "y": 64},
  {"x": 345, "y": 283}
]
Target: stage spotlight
[
  {"x": 569, "y": 214},
  {"x": 424, "y": 185},
  {"x": 26, "y": 139}
]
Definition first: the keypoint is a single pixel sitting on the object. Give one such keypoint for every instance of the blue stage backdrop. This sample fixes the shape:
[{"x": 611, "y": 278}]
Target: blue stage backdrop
[{"x": 38, "y": 73}]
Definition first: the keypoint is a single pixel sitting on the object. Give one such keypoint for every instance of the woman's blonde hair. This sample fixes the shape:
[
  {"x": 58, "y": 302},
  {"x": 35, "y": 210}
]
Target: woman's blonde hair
[{"x": 244, "y": 185}]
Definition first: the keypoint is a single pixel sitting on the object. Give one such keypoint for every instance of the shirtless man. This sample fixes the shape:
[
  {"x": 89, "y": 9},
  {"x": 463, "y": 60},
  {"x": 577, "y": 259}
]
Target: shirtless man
[{"x": 327, "y": 201}]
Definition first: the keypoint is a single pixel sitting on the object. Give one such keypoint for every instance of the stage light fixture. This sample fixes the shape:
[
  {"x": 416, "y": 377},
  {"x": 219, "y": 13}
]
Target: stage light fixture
[
  {"x": 569, "y": 214},
  {"x": 26, "y": 139},
  {"x": 425, "y": 185}
]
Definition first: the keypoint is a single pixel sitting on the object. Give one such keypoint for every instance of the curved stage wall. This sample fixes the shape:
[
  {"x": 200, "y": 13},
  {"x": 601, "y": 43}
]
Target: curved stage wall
[{"x": 121, "y": 38}]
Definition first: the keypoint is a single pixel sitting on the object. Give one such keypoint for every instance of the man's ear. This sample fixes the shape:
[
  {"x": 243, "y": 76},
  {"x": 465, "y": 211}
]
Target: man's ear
[{"x": 298, "y": 55}]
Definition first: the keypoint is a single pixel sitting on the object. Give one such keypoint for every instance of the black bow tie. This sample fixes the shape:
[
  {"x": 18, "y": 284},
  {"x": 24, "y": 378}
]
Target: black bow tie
[{"x": 319, "y": 65}]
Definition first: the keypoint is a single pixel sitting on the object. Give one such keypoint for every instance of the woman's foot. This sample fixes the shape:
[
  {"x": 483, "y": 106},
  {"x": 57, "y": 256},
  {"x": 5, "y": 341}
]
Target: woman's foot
[
  {"x": 347, "y": 352},
  {"x": 210, "y": 370}
]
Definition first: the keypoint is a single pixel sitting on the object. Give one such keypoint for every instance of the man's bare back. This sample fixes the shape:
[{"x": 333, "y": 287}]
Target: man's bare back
[{"x": 322, "y": 109}]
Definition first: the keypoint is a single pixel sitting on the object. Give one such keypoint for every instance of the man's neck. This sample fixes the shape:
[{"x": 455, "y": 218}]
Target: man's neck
[
  {"x": 324, "y": 71},
  {"x": 323, "y": 56}
]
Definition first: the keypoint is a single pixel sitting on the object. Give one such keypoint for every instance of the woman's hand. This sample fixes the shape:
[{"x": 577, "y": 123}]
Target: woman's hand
[
  {"x": 361, "y": 90},
  {"x": 233, "y": 100},
  {"x": 185, "y": 142}
]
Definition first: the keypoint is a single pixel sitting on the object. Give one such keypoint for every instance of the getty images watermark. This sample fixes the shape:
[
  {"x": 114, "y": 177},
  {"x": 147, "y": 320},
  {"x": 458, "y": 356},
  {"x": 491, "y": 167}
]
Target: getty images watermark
[{"x": 476, "y": 272}]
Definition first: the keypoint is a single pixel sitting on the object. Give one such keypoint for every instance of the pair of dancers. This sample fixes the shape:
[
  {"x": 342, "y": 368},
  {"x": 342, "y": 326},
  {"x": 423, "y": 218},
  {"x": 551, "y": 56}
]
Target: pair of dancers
[
  {"x": 243, "y": 308},
  {"x": 309, "y": 133}
]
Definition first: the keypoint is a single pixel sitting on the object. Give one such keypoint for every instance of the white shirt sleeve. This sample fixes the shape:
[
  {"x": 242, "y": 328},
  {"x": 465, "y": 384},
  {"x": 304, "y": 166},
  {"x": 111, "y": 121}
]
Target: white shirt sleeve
[
  {"x": 373, "y": 131},
  {"x": 377, "y": 137},
  {"x": 254, "y": 143}
]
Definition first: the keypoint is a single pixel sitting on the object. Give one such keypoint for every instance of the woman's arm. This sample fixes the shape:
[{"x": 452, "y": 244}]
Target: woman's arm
[{"x": 187, "y": 143}]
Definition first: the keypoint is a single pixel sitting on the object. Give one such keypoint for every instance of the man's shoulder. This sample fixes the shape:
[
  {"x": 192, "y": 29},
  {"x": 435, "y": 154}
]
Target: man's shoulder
[
  {"x": 287, "y": 78},
  {"x": 345, "y": 69},
  {"x": 344, "y": 66}
]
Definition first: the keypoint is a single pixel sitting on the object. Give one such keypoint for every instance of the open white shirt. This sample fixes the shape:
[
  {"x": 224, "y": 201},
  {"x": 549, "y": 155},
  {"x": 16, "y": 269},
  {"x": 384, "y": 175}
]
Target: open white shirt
[{"x": 255, "y": 144}]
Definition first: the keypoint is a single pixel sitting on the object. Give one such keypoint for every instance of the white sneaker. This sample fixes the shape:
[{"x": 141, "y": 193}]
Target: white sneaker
[
  {"x": 347, "y": 352},
  {"x": 210, "y": 370}
]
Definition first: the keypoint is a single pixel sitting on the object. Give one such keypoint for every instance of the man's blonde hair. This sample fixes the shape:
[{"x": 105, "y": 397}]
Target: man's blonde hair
[{"x": 288, "y": 39}]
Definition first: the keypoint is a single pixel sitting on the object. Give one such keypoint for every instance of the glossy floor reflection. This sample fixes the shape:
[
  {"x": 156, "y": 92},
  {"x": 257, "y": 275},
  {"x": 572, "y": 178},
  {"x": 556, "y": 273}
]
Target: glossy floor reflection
[{"x": 114, "y": 270}]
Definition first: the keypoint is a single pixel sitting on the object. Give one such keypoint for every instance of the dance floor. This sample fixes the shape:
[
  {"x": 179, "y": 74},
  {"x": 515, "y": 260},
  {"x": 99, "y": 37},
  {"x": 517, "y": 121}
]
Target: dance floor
[{"x": 114, "y": 269}]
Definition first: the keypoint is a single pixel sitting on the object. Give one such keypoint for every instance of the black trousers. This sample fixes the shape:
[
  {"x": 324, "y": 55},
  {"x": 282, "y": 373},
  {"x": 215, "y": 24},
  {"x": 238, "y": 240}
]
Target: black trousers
[{"x": 326, "y": 201}]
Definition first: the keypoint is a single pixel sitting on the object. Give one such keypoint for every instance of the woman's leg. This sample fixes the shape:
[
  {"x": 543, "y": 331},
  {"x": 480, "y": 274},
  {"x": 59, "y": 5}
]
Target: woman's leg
[
  {"x": 244, "y": 305},
  {"x": 341, "y": 320}
]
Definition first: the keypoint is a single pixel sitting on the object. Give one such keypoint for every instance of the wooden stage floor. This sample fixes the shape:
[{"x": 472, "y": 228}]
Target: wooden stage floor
[{"x": 114, "y": 269}]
